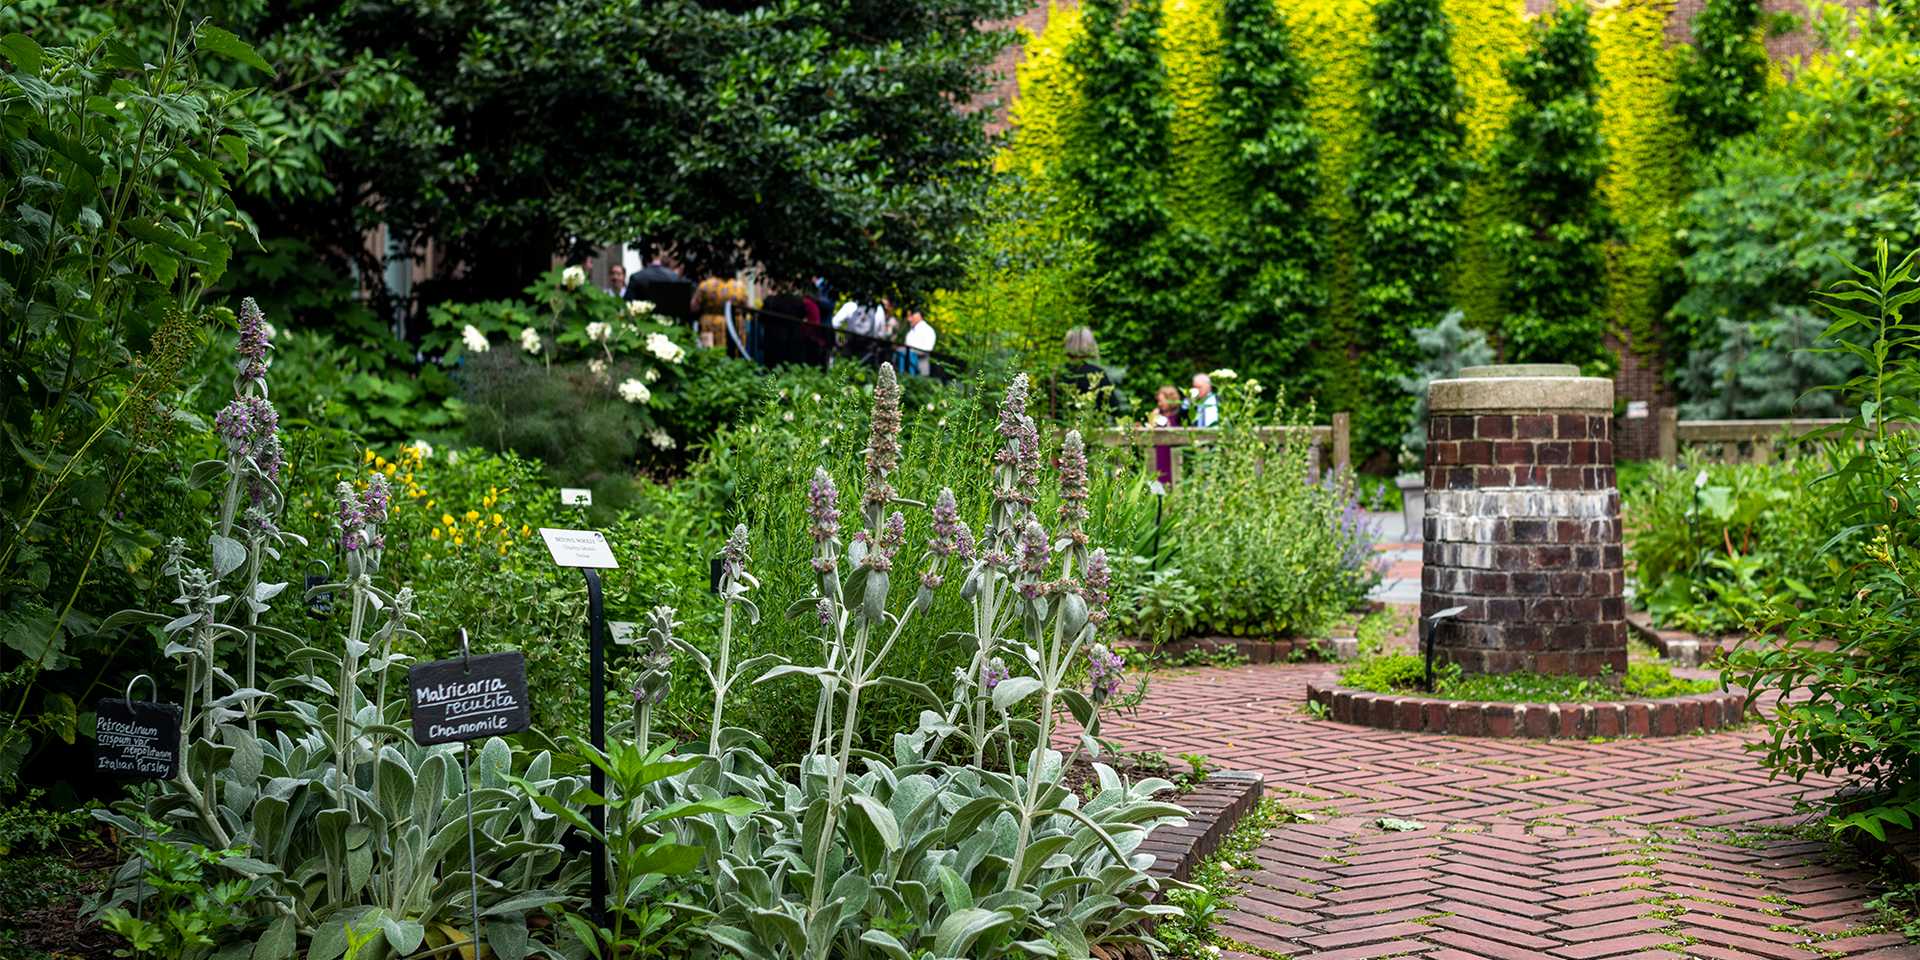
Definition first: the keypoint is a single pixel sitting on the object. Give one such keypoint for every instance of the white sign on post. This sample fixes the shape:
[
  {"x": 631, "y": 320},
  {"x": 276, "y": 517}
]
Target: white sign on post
[
  {"x": 1636, "y": 410},
  {"x": 576, "y": 497},
  {"x": 579, "y": 548}
]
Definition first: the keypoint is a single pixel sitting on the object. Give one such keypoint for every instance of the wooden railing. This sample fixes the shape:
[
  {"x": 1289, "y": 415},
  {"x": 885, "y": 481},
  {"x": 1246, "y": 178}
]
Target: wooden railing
[
  {"x": 1748, "y": 441},
  {"x": 1336, "y": 437}
]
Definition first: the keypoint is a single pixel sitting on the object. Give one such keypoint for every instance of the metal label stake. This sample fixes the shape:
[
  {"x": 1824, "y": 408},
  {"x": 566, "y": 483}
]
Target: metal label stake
[{"x": 589, "y": 552}]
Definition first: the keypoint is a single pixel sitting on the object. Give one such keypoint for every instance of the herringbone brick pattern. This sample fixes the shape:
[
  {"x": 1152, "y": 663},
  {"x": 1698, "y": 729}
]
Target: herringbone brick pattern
[{"x": 1530, "y": 850}]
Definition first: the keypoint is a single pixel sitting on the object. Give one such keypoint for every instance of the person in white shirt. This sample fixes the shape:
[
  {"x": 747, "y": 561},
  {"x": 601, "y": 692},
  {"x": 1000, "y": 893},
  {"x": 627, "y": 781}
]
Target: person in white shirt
[
  {"x": 863, "y": 319},
  {"x": 920, "y": 339},
  {"x": 1203, "y": 408}
]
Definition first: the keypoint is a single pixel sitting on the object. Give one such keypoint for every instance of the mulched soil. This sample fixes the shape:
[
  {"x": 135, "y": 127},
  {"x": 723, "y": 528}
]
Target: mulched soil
[{"x": 48, "y": 922}]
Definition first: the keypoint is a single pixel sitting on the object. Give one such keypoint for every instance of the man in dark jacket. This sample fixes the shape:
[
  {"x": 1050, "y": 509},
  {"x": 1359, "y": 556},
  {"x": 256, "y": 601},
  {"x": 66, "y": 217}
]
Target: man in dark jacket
[{"x": 659, "y": 283}]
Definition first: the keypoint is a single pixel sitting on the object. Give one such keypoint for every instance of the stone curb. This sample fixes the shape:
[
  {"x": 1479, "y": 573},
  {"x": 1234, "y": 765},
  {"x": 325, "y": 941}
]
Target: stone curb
[
  {"x": 1540, "y": 721},
  {"x": 1216, "y": 805}
]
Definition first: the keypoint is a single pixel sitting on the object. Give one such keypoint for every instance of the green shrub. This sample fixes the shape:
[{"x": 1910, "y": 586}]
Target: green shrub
[
  {"x": 1847, "y": 674},
  {"x": 1271, "y": 549},
  {"x": 1713, "y": 545},
  {"x": 1780, "y": 209}
]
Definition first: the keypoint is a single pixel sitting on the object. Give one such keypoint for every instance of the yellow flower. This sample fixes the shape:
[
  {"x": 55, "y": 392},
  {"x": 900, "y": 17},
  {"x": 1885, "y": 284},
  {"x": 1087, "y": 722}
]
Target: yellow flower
[
  {"x": 391, "y": 468},
  {"x": 369, "y": 457},
  {"x": 380, "y": 461},
  {"x": 497, "y": 520},
  {"x": 435, "y": 534},
  {"x": 523, "y": 529},
  {"x": 459, "y": 540},
  {"x": 503, "y": 549},
  {"x": 473, "y": 515},
  {"x": 429, "y": 504},
  {"x": 447, "y": 518}
]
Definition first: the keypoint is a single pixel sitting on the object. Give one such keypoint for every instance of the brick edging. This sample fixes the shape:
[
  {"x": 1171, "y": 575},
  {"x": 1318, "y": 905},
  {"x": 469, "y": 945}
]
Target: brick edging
[
  {"x": 1682, "y": 648},
  {"x": 1470, "y": 718},
  {"x": 1250, "y": 649},
  {"x": 1216, "y": 805}
]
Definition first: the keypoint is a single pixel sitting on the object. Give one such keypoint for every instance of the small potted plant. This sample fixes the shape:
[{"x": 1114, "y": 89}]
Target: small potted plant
[{"x": 1446, "y": 348}]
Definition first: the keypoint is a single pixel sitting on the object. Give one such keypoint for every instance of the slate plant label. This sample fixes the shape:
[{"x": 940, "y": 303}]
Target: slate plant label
[
  {"x": 137, "y": 739},
  {"x": 469, "y": 698}
]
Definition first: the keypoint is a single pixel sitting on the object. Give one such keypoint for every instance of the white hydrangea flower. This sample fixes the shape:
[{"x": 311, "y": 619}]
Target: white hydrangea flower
[
  {"x": 597, "y": 367},
  {"x": 573, "y": 278},
  {"x": 639, "y": 308},
  {"x": 662, "y": 346},
  {"x": 453, "y": 458},
  {"x": 475, "y": 340},
  {"x": 652, "y": 375},
  {"x": 633, "y": 391},
  {"x": 660, "y": 439},
  {"x": 1254, "y": 387},
  {"x": 1223, "y": 374},
  {"x": 530, "y": 340},
  {"x": 788, "y": 416},
  {"x": 599, "y": 332},
  {"x": 423, "y": 448}
]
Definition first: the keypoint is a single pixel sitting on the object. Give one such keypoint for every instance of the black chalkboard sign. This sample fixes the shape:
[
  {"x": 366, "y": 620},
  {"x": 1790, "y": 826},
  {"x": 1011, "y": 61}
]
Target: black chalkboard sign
[
  {"x": 137, "y": 739},
  {"x": 469, "y": 698}
]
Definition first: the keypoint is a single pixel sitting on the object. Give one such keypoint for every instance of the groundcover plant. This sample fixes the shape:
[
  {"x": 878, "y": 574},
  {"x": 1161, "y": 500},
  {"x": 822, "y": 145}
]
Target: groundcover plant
[{"x": 326, "y": 831}]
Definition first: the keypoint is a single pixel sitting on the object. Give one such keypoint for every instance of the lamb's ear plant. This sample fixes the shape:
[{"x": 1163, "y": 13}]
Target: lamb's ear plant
[
  {"x": 338, "y": 820},
  {"x": 918, "y": 858},
  {"x": 735, "y": 582}
]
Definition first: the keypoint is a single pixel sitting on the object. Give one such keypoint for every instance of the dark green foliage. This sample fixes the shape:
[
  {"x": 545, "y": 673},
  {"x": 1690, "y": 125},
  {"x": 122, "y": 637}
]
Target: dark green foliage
[
  {"x": 1275, "y": 263},
  {"x": 1407, "y": 189},
  {"x": 1769, "y": 368},
  {"x": 1723, "y": 75},
  {"x": 1549, "y": 163},
  {"x": 1779, "y": 210},
  {"x": 1117, "y": 171}
]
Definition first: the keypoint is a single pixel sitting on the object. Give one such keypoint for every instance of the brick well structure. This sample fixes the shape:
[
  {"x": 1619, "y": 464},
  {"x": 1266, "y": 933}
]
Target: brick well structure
[{"x": 1522, "y": 522}]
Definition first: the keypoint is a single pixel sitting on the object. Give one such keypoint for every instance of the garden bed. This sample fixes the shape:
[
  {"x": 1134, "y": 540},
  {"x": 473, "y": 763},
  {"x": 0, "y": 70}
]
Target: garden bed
[
  {"x": 1667, "y": 717},
  {"x": 1250, "y": 649}
]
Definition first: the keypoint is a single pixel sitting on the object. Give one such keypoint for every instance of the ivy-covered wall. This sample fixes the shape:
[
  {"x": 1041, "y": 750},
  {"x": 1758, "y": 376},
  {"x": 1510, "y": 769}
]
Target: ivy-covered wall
[{"x": 1645, "y": 177}]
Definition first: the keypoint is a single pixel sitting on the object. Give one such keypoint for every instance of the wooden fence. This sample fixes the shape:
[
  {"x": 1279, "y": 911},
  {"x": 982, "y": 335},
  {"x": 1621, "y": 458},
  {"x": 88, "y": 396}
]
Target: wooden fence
[
  {"x": 1336, "y": 437},
  {"x": 1733, "y": 441}
]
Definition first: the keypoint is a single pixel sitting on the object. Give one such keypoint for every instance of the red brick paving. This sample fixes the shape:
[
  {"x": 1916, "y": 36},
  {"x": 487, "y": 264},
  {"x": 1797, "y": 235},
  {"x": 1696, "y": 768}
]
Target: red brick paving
[{"x": 1561, "y": 850}]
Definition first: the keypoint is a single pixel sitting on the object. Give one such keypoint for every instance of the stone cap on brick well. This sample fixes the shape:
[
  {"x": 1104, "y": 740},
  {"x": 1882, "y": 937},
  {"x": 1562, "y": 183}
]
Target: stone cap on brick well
[
  {"x": 1491, "y": 390},
  {"x": 1520, "y": 370}
]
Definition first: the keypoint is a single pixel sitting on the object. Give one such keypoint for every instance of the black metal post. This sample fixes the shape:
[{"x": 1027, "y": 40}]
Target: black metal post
[{"x": 597, "y": 730}]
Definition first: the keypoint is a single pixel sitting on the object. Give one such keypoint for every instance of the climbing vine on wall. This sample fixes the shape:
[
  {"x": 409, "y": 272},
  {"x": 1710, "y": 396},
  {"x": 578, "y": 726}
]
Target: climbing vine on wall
[
  {"x": 1549, "y": 163},
  {"x": 1274, "y": 277},
  {"x": 1049, "y": 95},
  {"x": 1406, "y": 191},
  {"x": 1115, "y": 160},
  {"x": 1647, "y": 175},
  {"x": 1485, "y": 34},
  {"x": 1723, "y": 75}
]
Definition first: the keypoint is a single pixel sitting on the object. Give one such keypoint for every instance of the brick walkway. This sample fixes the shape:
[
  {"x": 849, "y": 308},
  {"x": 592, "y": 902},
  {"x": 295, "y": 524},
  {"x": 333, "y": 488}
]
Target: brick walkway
[{"x": 1573, "y": 850}]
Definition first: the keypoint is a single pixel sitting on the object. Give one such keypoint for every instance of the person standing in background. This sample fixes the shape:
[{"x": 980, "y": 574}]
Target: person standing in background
[
  {"x": 617, "y": 280},
  {"x": 1166, "y": 413},
  {"x": 710, "y": 301},
  {"x": 919, "y": 343},
  {"x": 1203, "y": 408},
  {"x": 663, "y": 286}
]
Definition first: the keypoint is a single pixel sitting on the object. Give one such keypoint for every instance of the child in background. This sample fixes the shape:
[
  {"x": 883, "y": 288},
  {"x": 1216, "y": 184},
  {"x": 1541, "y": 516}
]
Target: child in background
[{"x": 1166, "y": 413}]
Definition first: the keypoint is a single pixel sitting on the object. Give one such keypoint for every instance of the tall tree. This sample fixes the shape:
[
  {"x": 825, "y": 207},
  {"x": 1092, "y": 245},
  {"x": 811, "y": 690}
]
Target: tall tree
[
  {"x": 1116, "y": 171},
  {"x": 829, "y": 137},
  {"x": 1548, "y": 163},
  {"x": 1406, "y": 191},
  {"x": 1275, "y": 263},
  {"x": 1723, "y": 74}
]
